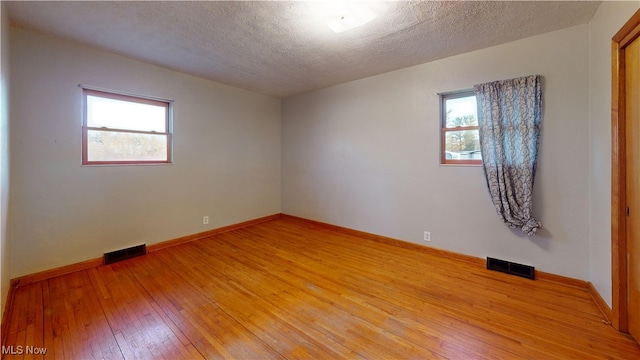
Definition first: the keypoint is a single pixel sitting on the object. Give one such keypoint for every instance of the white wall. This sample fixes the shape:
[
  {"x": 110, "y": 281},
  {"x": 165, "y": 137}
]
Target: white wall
[
  {"x": 365, "y": 155},
  {"x": 606, "y": 22},
  {"x": 362, "y": 155},
  {"x": 4, "y": 156},
  {"x": 226, "y": 152}
]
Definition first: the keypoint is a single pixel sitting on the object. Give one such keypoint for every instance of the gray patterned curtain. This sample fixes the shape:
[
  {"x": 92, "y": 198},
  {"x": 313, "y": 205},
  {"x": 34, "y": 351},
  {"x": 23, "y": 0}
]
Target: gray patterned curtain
[{"x": 509, "y": 114}]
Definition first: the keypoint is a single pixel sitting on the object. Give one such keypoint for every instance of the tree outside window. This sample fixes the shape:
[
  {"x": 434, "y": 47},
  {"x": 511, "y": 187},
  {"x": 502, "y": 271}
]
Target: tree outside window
[{"x": 460, "y": 140}]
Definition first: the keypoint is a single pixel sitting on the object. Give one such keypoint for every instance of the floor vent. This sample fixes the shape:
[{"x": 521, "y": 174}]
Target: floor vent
[
  {"x": 124, "y": 254},
  {"x": 508, "y": 267}
]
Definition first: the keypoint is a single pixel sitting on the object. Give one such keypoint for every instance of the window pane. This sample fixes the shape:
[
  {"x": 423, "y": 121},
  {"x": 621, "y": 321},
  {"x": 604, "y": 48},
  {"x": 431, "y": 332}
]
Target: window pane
[
  {"x": 122, "y": 146},
  {"x": 462, "y": 145},
  {"x": 120, "y": 114},
  {"x": 461, "y": 112}
]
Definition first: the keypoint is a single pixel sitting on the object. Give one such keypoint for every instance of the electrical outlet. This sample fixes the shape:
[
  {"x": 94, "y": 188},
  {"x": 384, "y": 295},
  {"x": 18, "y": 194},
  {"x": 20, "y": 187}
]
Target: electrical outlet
[
  {"x": 205, "y": 220},
  {"x": 427, "y": 236}
]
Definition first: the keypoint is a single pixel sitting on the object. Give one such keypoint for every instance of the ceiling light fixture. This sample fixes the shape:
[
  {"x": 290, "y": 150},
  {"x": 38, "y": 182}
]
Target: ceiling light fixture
[{"x": 343, "y": 15}]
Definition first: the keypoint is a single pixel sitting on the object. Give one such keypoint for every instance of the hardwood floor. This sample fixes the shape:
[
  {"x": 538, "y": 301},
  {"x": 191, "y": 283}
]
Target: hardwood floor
[{"x": 288, "y": 289}]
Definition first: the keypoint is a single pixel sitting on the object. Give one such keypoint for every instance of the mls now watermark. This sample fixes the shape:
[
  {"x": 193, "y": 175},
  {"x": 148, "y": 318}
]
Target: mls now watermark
[{"x": 23, "y": 350}]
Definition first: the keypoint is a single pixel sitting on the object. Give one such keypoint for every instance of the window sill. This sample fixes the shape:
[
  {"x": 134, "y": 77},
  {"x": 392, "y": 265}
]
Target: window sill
[
  {"x": 461, "y": 165},
  {"x": 126, "y": 164}
]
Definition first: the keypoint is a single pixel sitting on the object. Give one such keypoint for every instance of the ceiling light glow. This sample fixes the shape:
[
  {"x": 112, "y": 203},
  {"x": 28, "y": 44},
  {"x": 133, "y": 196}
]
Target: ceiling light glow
[{"x": 343, "y": 15}]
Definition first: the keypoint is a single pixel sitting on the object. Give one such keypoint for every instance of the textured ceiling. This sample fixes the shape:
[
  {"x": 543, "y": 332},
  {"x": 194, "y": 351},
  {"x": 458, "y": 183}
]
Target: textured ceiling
[{"x": 283, "y": 48}]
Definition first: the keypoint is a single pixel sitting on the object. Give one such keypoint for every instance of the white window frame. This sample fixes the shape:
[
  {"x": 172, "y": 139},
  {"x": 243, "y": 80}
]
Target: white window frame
[
  {"x": 167, "y": 104},
  {"x": 444, "y": 129}
]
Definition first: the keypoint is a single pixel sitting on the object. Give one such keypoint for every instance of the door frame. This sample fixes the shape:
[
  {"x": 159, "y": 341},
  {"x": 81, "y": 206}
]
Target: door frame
[{"x": 627, "y": 34}]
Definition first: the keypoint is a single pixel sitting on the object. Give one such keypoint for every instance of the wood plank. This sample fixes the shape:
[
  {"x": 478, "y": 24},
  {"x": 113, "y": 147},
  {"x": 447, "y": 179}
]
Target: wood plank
[
  {"x": 6, "y": 312},
  {"x": 541, "y": 275},
  {"x": 139, "y": 327},
  {"x": 618, "y": 194},
  {"x": 15, "y": 338},
  {"x": 35, "y": 323},
  {"x": 248, "y": 306},
  {"x": 628, "y": 32},
  {"x": 78, "y": 324},
  {"x": 63, "y": 270},
  {"x": 292, "y": 289},
  {"x": 209, "y": 233},
  {"x": 619, "y": 271},
  {"x": 443, "y": 295},
  {"x": 325, "y": 295},
  {"x": 215, "y": 335},
  {"x": 601, "y": 304},
  {"x": 632, "y": 114},
  {"x": 92, "y": 263}
]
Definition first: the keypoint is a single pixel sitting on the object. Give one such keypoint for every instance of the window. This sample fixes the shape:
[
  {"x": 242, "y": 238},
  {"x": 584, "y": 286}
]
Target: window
[
  {"x": 122, "y": 129},
  {"x": 460, "y": 138}
]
